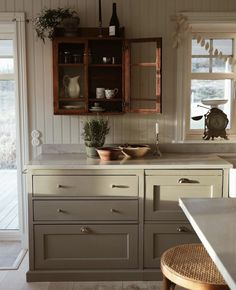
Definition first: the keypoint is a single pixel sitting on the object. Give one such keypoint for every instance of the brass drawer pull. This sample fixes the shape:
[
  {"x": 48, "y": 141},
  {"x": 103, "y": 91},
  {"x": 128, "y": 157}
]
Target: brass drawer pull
[
  {"x": 119, "y": 186},
  {"x": 84, "y": 230},
  {"x": 183, "y": 229},
  {"x": 113, "y": 210},
  {"x": 186, "y": 180},
  {"x": 59, "y": 210}
]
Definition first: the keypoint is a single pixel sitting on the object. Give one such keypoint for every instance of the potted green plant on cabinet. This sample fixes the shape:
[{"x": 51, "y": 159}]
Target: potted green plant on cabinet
[
  {"x": 94, "y": 134},
  {"x": 49, "y": 19}
]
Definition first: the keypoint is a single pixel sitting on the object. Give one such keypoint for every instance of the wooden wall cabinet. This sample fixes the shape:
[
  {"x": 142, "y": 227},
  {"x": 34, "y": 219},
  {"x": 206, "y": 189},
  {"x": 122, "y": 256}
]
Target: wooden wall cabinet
[{"x": 133, "y": 67}]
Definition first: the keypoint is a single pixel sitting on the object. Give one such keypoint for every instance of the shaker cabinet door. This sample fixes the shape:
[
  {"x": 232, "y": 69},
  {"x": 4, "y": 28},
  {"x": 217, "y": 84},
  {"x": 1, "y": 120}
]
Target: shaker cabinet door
[
  {"x": 164, "y": 190},
  {"x": 160, "y": 237},
  {"x": 82, "y": 246}
]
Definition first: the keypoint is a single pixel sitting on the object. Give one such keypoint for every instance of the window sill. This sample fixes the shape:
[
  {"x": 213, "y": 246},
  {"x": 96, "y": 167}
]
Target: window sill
[{"x": 195, "y": 141}]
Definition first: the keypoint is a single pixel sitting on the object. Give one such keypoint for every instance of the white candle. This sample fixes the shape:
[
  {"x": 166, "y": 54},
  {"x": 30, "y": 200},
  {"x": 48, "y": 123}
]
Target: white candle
[{"x": 157, "y": 128}]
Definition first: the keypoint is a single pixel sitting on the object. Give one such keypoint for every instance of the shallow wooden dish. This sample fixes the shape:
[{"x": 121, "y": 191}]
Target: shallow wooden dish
[{"x": 135, "y": 150}]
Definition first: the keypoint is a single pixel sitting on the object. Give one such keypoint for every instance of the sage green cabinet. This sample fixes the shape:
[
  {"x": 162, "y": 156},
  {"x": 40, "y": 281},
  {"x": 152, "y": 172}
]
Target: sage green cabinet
[
  {"x": 98, "y": 224},
  {"x": 165, "y": 187},
  {"x": 88, "y": 210},
  {"x": 160, "y": 237},
  {"x": 82, "y": 246}
]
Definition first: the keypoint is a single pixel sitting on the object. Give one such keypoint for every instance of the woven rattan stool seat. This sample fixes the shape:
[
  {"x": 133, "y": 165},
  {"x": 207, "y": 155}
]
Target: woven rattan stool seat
[{"x": 191, "y": 267}]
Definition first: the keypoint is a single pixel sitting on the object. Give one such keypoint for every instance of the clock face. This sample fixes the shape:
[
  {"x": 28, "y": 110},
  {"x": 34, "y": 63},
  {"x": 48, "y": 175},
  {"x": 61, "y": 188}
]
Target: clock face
[{"x": 216, "y": 120}]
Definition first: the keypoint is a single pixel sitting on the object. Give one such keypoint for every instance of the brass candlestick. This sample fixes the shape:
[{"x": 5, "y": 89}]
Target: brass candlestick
[{"x": 157, "y": 151}]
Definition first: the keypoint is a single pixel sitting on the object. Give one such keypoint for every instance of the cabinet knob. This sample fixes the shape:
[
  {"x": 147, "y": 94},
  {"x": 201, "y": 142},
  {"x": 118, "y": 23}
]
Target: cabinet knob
[
  {"x": 59, "y": 186},
  {"x": 84, "y": 230},
  {"x": 59, "y": 210},
  {"x": 186, "y": 180},
  {"x": 183, "y": 229}
]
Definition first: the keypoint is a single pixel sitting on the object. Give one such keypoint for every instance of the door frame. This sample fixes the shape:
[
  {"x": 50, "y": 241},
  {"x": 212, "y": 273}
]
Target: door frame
[{"x": 17, "y": 23}]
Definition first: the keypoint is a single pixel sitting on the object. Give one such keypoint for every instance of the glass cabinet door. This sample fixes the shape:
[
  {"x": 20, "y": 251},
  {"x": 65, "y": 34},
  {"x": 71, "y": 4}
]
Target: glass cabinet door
[{"x": 143, "y": 91}]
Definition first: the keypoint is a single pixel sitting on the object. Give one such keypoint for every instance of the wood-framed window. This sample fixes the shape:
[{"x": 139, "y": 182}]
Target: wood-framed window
[{"x": 203, "y": 75}]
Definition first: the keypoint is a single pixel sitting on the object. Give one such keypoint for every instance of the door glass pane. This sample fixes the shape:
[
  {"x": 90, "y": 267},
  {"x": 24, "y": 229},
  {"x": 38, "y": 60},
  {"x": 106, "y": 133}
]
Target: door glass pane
[
  {"x": 6, "y": 47},
  {"x": 6, "y": 66},
  {"x": 209, "y": 89},
  {"x": 143, "y": 52},
  {"x": 143, "y": 87},
  {"x": 8, "y": 174}
]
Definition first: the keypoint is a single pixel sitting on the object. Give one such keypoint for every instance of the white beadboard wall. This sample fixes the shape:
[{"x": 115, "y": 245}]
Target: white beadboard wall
[{"x": 141, "y": 18}]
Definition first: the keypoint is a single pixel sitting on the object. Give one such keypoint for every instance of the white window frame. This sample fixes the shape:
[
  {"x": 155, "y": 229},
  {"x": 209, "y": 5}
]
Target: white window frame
[
  {"x": 202, "y": 23},
  {"x": 15, "y": 24}
]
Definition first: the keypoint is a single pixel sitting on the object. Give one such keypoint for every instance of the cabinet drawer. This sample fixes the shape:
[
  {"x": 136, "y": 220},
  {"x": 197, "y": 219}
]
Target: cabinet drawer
[
  {"x": 86, "y": 247},
  {"x": 58, "y": 210},
  {"x": 92, "y": 185},
  {"x": 160, "y": 237},
  {"x": 163, "y": 192}
]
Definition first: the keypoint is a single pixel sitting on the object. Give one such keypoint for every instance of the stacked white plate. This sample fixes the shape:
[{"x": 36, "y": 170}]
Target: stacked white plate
[{"x": 97, "y": 109}]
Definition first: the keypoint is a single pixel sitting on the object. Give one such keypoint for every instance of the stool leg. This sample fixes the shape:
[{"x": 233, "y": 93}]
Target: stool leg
[{"x": 167, "y": 284}]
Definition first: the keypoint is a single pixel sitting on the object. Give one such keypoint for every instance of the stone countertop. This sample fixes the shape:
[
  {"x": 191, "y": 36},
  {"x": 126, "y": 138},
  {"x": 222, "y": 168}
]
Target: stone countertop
[
  {"x": 166, "y": 161},
  {"x": 214, "y": 222}
]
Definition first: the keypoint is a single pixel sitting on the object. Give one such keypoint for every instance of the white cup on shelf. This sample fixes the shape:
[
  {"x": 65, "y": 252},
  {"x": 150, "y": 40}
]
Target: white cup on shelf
[
  {"x": 100, "y": 93},
  {"x": 111, "y": 93}
]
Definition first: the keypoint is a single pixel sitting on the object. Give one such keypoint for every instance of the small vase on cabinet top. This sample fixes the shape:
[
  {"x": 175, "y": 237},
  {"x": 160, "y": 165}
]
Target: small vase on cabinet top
[{"x": 72, "y": 86}]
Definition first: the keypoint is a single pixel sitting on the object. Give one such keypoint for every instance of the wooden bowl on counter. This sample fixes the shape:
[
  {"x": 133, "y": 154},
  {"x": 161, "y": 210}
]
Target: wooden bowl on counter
[
  {"x": 135, "y": 150},
  {"x": 109, "y": 153}
]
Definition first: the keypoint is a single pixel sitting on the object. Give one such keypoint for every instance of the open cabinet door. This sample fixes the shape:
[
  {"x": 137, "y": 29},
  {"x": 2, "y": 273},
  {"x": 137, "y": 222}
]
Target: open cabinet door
[{"x": 143, "y": 75}]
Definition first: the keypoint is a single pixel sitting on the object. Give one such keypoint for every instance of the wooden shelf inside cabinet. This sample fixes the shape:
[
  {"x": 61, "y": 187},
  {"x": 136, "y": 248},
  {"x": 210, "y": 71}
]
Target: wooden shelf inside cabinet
[
  {"x": 71, "y": 100},
  {"x": 105, "y": 65},
  {"x": 71, "y": 64},
  {"x": 105, "y": 100}
]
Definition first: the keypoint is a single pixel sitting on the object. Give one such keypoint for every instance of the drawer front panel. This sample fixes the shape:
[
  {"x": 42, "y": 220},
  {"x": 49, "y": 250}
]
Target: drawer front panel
[
  {"x": 163, "y": 193},
  {"x": 59, "y": 210},
  {"x": 160, "y": 237},
  {"x": 92, "y": 185},
  {"x": 86, "y": 247}
]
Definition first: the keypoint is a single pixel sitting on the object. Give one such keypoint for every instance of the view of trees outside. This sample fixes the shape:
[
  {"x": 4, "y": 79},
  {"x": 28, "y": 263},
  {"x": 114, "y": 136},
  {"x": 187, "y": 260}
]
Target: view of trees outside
[
  {"x": 204, "y": 62},
  {"x": 8, "y": 172},
  {"x": 7, "y": 106},
  {"x": 7, "y": 125}
]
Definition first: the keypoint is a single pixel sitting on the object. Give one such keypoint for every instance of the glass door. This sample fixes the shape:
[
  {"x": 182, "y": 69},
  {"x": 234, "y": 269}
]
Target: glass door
[{"x": 9, "y": 216}]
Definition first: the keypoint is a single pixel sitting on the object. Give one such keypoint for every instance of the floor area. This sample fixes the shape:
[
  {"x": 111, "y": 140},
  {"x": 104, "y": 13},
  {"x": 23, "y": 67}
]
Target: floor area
[
  {"x": 15, "y": 280},
  {"x": 9, "y": 251},
  {"x": 8, "y": 200}
]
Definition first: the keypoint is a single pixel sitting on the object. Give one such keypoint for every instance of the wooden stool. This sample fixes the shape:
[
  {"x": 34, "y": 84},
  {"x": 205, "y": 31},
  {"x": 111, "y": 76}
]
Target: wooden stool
[{"x": 191, "y": 267}]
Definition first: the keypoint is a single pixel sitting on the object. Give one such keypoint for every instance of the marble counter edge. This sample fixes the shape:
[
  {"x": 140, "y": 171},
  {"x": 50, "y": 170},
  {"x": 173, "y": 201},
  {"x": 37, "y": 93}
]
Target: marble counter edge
[
  {"x": 79, "y": 161},
  {"x": 207, "y": 245}
]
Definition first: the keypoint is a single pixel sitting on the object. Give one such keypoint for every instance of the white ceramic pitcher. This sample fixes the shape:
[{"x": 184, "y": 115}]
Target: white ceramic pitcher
[{"x": 72, "y": 86}]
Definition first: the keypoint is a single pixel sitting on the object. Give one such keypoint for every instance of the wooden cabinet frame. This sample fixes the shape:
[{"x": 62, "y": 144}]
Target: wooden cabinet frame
[{"x": 118, "y": 74}]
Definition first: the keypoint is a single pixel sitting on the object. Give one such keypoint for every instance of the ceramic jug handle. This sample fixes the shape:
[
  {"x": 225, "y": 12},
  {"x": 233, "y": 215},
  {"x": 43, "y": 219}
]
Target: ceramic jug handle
[
  {"x": 66, "y": 79},
  {"x": 115, "y": 91}
]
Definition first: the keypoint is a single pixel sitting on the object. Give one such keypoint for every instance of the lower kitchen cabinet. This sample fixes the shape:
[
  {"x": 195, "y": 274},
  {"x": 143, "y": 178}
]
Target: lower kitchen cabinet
[
  {"x": 98, "y": 224},
  {"x": 160, "y": 237},
  {"x": 86, "y": 246}
]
